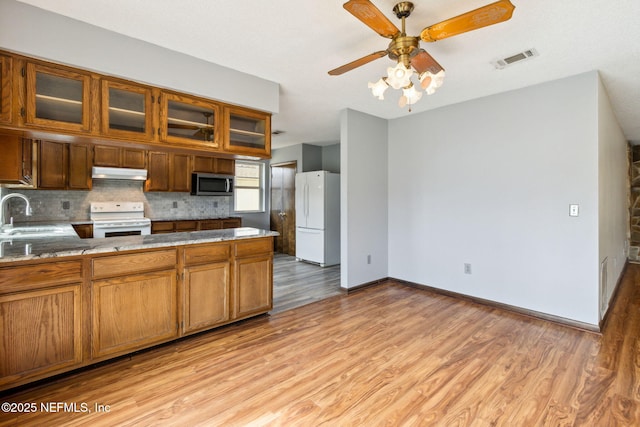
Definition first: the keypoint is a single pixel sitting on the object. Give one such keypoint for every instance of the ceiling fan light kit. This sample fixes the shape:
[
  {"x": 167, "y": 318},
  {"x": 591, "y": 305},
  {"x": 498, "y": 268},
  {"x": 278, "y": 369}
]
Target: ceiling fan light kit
[{"x": 411, "y": 59}]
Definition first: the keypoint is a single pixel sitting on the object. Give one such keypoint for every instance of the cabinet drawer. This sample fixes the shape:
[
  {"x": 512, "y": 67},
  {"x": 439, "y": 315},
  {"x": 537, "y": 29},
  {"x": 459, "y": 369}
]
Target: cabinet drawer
[
  {"x": 13, "y": 279},
  {"x": 186, "y": 225},
  {"x": 211, "y": 224},
  {"x": 161, "y": 227},
  {"x": 206, "y": 254},
  {"x": 254, "y": 247},
  {"x": 119, "y": 265}
]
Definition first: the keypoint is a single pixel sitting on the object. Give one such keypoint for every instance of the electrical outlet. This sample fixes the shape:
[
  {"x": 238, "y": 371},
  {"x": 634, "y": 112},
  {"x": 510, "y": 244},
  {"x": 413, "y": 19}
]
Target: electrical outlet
[
  {"x": 66, "y": 205},
  {"x": 368, "y": 259},
  {"x": 175, "y": 205},
  {"x": 467, "y": 268}
]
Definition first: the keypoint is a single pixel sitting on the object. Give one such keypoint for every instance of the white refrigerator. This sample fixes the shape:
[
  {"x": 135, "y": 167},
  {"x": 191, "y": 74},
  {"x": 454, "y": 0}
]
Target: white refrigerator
[{"x": 318, "y": 217}]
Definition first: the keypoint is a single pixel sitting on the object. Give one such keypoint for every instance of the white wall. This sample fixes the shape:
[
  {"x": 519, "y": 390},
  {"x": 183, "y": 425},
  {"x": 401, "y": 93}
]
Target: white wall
[
  {"x": 363, "y": 198},
  {"x": 35, "y": 32},
  {"x": 489, "y": 182},
  {"x": 613, "y": 184}
]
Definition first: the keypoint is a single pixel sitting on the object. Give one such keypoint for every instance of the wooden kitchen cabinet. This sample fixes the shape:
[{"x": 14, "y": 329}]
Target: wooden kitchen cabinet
[
  {"x": 179, "y": 172},
  {"x": 158, "y": 172},
  {"x": 214, "y": 165},
  {"x": 79, "y": 176},
  {"x": 16, "y": 160},
  {"x": 6, "y": 89},
  {"x": 185, "y": 225},
  {"x": 247, "y": 132},
  {"x": 206, "y": 285},
  {"x": 40, "y": 321},
  {"x": 189, "y": 120},
  {"x": 161, "y": 227},
  {"x": 67, "y": 312},
  {"x": 231, "y": 222},
  {"x": 253, "y": 277},
  {"x": 57, "y": 97},
  {"x": 126, "y": 110},
  {"x": 63, "y": 166},
  {"x": 133, "y": 301},
  {"x": 158, "y": 227},
  {"x": 119, "y": 157},
  {"x": 41, "y": 96},
  {"x": 53, "y": 165},
  {"x": 168, "y": 172},
  {"x": 84, "y": 231}
]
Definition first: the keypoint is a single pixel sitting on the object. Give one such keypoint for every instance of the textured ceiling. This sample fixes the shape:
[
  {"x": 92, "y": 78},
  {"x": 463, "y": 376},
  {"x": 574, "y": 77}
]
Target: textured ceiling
[{"x": 295, "y": 43}]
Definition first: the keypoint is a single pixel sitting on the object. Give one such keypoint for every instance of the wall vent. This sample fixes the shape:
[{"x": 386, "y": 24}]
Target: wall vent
[{"x": 512, "y": 59}]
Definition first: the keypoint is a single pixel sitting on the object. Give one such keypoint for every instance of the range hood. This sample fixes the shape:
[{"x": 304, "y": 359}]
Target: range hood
[{"x": 118, "y": 173}]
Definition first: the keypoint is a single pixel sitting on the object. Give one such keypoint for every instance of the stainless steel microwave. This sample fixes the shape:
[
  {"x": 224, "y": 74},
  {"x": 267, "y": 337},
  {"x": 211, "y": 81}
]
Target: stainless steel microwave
[{"x": 208, "y": 184}]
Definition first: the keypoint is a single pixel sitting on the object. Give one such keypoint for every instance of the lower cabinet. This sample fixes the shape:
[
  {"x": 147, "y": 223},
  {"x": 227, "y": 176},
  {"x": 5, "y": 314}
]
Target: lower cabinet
[
  {"x": 133, "y": 307},
  {"x": 60, "y": 315},
  {"x": 253, "y": 277},
  {"x": 159, "y": 227},
  {"x": 206, "y": 283},
  {"x": 84, "y": 231},
  {"x": 40, "y": 321}
]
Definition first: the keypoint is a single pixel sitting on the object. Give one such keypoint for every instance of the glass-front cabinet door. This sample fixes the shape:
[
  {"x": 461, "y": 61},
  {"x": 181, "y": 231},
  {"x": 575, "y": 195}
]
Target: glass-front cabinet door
[
  {"x": 189, "y": 121},
  {"x": 57, "y": 98},
  {"x": 5, "y": 89},
  {"x": 126, "y": 110},
  {"x": 247, "y": 132}
]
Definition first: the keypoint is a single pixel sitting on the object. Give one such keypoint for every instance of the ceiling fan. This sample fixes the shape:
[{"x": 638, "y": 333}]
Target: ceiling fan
[
  {"x": 406, "y": 50},
  {"x": 206, "y": 130}
]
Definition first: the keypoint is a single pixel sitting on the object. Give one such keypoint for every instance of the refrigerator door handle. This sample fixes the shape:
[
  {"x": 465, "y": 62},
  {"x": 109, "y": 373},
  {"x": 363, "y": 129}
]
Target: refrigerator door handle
[{"x": 306, "y": 201}]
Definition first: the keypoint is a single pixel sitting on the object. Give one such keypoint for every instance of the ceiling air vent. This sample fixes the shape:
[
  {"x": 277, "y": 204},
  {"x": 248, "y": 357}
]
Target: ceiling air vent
[{"x": 510, "y": 60}]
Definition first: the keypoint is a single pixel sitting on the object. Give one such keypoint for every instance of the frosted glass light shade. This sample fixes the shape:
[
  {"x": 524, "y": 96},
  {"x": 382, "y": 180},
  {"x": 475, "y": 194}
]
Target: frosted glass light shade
[
  {"x": 399, "y": 76},
  {"x": 378, "y": 88},
  {"x": 409, "y": 96},
  {"x": 430, "y": 82}
]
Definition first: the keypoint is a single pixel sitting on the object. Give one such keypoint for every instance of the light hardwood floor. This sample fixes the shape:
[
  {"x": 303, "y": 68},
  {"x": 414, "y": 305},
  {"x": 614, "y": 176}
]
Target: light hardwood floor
[{"x": 386, "y": 355}]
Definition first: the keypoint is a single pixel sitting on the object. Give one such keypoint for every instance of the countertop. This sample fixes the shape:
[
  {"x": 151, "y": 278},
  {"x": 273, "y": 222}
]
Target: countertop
[{"x": 27, "y": 249}]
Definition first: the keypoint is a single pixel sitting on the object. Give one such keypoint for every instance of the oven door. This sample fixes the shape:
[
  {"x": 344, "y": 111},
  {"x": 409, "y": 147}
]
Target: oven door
[{"x": 124, "y": 228}]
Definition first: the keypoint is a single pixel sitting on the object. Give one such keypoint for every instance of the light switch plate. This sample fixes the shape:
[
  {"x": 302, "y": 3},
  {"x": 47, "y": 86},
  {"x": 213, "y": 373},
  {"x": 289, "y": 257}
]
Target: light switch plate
[{"x": 574, "y": 210}]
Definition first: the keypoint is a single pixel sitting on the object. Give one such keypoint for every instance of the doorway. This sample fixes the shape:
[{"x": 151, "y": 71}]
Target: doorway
[{"x": 283, "y": 213}]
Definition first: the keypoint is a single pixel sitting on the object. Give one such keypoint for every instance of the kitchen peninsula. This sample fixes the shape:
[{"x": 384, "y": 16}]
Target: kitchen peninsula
[{"x": 68, "y": 302}]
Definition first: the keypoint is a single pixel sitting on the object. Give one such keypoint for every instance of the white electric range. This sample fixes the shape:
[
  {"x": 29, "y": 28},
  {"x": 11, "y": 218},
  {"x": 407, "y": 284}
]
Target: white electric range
[{"x": 112, "y": 219}]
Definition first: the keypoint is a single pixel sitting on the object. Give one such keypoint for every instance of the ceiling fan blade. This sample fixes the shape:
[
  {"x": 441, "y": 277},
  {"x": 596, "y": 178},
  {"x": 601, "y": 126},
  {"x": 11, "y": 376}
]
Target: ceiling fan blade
[
  {"x": 424, "y": 62},
  {"x": 490, "y": 14},
  {"x": 371, "y": 16},
  {"x": 181, "y": 126},
  {"x": 358, "y": 62}
]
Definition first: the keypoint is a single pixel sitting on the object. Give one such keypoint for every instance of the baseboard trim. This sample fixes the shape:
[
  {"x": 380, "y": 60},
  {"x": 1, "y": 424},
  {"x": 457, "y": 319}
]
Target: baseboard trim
[
  {"x": 367, "y": 285},
  {"x": 614, "y": 298},
  {"x": 512, "y": 308}
]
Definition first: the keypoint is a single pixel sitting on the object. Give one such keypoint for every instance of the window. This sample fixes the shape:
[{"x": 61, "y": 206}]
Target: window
[{"x": 249, "y": 187}]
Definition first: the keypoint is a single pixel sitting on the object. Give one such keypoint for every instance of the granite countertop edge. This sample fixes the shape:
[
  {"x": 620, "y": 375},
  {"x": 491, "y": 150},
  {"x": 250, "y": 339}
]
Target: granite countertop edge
[{"x": 34, "y": 249}]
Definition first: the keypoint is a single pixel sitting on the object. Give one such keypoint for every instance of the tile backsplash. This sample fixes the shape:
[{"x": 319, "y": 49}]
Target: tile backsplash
[{"x": 58, "y": 205}]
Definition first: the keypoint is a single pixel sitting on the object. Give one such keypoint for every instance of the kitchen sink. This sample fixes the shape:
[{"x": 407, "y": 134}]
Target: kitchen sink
[{"x": 36, "y": 232}]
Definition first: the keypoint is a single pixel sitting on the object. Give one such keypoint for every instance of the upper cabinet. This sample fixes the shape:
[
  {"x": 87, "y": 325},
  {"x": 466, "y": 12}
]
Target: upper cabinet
[
  {"x": 126, "y": 110},
  {"x": 6, "y": 89},
  {"x": 16, "y": 160},
  {"x": 48, "y": 100},
  {"x": 247, "y": 132},
  {"x": 57, "y": 98},
  {"x": 189, "y": 120},
  {"x": 119, "y": 157}
]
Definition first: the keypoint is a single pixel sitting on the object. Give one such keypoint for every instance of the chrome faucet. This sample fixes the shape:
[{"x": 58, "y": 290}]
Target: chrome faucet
[{"x": 3, "y": 203}]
